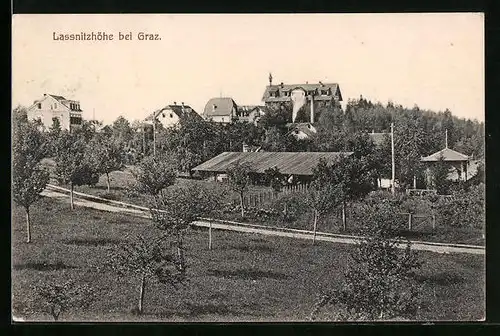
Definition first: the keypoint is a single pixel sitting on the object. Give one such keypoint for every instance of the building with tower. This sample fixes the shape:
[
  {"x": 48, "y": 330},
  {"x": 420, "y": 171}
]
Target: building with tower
[{"x": 301, "y": 96}]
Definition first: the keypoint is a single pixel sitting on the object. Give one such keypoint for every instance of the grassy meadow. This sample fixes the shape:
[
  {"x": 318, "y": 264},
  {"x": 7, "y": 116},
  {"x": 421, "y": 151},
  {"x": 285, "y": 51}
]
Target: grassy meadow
[
  {"x": 245, "y": 277},
  {"x": 122, "y": 181}
]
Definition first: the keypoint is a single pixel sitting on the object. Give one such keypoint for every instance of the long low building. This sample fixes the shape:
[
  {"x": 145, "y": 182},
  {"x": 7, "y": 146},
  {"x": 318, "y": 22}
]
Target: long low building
[{"x": 288, "y": 163}]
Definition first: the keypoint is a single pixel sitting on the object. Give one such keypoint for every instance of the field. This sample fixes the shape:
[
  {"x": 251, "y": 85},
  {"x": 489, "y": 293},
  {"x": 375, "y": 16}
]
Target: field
[
  {"x": 244, "y": 278},
  {"x": 122, "y": 181}
]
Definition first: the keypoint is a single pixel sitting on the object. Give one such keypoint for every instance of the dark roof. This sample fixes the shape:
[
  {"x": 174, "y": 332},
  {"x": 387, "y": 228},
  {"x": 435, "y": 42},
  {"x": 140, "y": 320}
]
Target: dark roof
[
  {"x": 289, "y": 163},
  {"x": 223, "y": 107},
  {"x": 307, "y": 128},
  {"x": 64, "y": 102},
  {"x": 60, "y": 98},
  {"x": 182, "y": 111},
  {"x": 447, "y": 154},
  {"x": 378, "y": 138},
  {"x": 307, "y": 87}
]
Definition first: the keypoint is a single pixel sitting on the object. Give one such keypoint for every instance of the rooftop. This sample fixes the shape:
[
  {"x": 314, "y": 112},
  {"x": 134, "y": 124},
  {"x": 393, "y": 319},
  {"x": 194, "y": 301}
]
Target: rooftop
[
  {"x": 333, "y": 87},
  {"x": 219, "y": 107},
  {"x": 289, "y": 163},
  {"x": 447, "y": 154}
]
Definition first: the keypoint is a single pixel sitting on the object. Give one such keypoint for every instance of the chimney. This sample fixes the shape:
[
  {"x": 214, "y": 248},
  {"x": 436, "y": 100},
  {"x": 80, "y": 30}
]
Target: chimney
[
  {"x": 281, "y": 84},
  {"x": 44, "y": 94},
  {"x": 182, "y": 103},
  {"x": 312, "y": 109}
]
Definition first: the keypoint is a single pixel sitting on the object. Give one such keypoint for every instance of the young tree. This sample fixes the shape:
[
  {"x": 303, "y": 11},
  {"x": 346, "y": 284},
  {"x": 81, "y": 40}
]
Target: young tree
[
  {"x": 155, "y": 173},
  {"x": 345, "y": 180},
  {"x": 161, "y": 255},
  {"x": 239, "y": 179},
  {"x": 72, "y": 165},
  {"x": 57, "y": 298},
  {"x": 439, "y": 180},
  {"x": 104, "y": 156},
  {"x": 148, "y": 258},
  {"x": 275, "y": 179},
  {"x": 379, "y": 282},
  {"x": 28, "y": 179}
]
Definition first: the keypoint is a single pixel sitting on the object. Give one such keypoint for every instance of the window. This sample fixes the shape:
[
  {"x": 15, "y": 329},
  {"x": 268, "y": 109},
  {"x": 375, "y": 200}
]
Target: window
[
  {"x": 39, "y": 106},
  {"x": 163, "y": 115},
  {"x": 55, "y": 106},
  {"x": 75, "y": 120},
  {"x": 171, "y": 115}
]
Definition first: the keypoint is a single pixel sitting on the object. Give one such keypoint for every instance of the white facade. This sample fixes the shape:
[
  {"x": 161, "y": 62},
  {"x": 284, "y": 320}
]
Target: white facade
[
  {"x": 48, "y": 108},
  {"x": 168, "y": 118}
]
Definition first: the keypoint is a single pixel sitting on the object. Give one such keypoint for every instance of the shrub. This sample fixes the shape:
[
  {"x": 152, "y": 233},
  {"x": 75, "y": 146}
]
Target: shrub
[
  {"x": 290, "y": 206},
  {"x": 463, "y": 209},
  {"x": 379, "y": 282}
]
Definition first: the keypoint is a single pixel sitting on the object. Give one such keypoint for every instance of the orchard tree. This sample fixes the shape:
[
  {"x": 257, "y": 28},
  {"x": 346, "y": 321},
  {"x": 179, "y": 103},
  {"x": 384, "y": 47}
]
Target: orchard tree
[
  {"x": 155, "y": 173},
  {"x": 379, "y": 282},
  {"x": 105, "y": 156},
  {"x": 239, "y": 179},
  {"x": 56, "y": 298},
  {"x": 148, "y": 258},
  {"x": 28, "y": 179},
  {"x": 161, "y": 256},
  {"x": 347, "y": 179},
  {"x": 122, "y": 132},
  {"x": 72, "y": 165}
]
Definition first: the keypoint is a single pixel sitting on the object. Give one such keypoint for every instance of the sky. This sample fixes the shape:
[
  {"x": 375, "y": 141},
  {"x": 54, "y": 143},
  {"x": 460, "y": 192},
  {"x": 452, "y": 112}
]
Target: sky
[{"x": 433, "y": 60}]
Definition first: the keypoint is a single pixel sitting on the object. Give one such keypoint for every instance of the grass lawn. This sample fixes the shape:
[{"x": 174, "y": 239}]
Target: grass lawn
[
  {"x": 245, "y": 277},
  {"x": 422, "y": 230}
]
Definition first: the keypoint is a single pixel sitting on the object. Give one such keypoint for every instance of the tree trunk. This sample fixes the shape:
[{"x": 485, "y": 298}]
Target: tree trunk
[
  {"x": 28, "y": 225},
  {"x": 72, "y": 205},
  {"x": 141, "y": 293},
  {"x": 315, "y": 225},
  {"x": 107, "y": 182},
  {"x": 241, "y": 205},
  {"x": 343, "y": 216}
]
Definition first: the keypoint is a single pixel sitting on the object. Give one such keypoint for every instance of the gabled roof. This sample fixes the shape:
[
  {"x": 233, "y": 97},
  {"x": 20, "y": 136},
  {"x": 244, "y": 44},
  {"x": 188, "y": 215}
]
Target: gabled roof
[
  {"x": 447, "y": 154},
  {"x": 307, "y": 87},
  {"x": 219, "y": 107},
  {"x": 306, "y": 128},
  {"x": 289, "y": 163},
  {"x": 63, "y": 101},
  {"x": 182, "y": 111}
]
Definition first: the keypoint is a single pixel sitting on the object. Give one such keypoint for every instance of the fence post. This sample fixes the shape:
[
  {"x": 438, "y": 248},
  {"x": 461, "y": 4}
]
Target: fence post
[
  {"x": 210, "y": 235},
  {"x": 409, "y": 221},
  {"x": 315, "y": 225},
  {"x": 433, "y": 221},
  {"x": 343, "y": 216}
]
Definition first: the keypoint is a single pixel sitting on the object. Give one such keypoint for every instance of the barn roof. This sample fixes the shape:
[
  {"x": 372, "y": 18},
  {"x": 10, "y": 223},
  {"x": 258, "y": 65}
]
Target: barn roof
[
  {"x": 447, "y": 154},
  {"x": 289, "y": 163}
]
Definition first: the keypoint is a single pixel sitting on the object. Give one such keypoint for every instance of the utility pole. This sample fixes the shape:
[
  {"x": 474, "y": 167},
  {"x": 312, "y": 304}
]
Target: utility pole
[
  {"x": 446, "y": 138},
  {"x": 154, "y": 134},
  {"x": 393, "y": 179}
]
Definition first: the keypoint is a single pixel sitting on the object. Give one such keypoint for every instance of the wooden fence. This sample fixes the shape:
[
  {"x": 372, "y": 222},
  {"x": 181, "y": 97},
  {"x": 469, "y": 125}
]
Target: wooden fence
[{"x": 260, "y": 198}]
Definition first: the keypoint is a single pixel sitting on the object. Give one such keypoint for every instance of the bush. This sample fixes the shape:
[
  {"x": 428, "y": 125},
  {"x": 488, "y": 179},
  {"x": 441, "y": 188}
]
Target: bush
[
  {"x": 290, "y": 206},
  {"x": 379, "y": 282},
  {"x": 463, "y": 209}
]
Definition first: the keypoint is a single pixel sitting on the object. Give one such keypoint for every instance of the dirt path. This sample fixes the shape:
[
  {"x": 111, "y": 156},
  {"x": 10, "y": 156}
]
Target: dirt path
[{"x": 259, "y": 229}]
